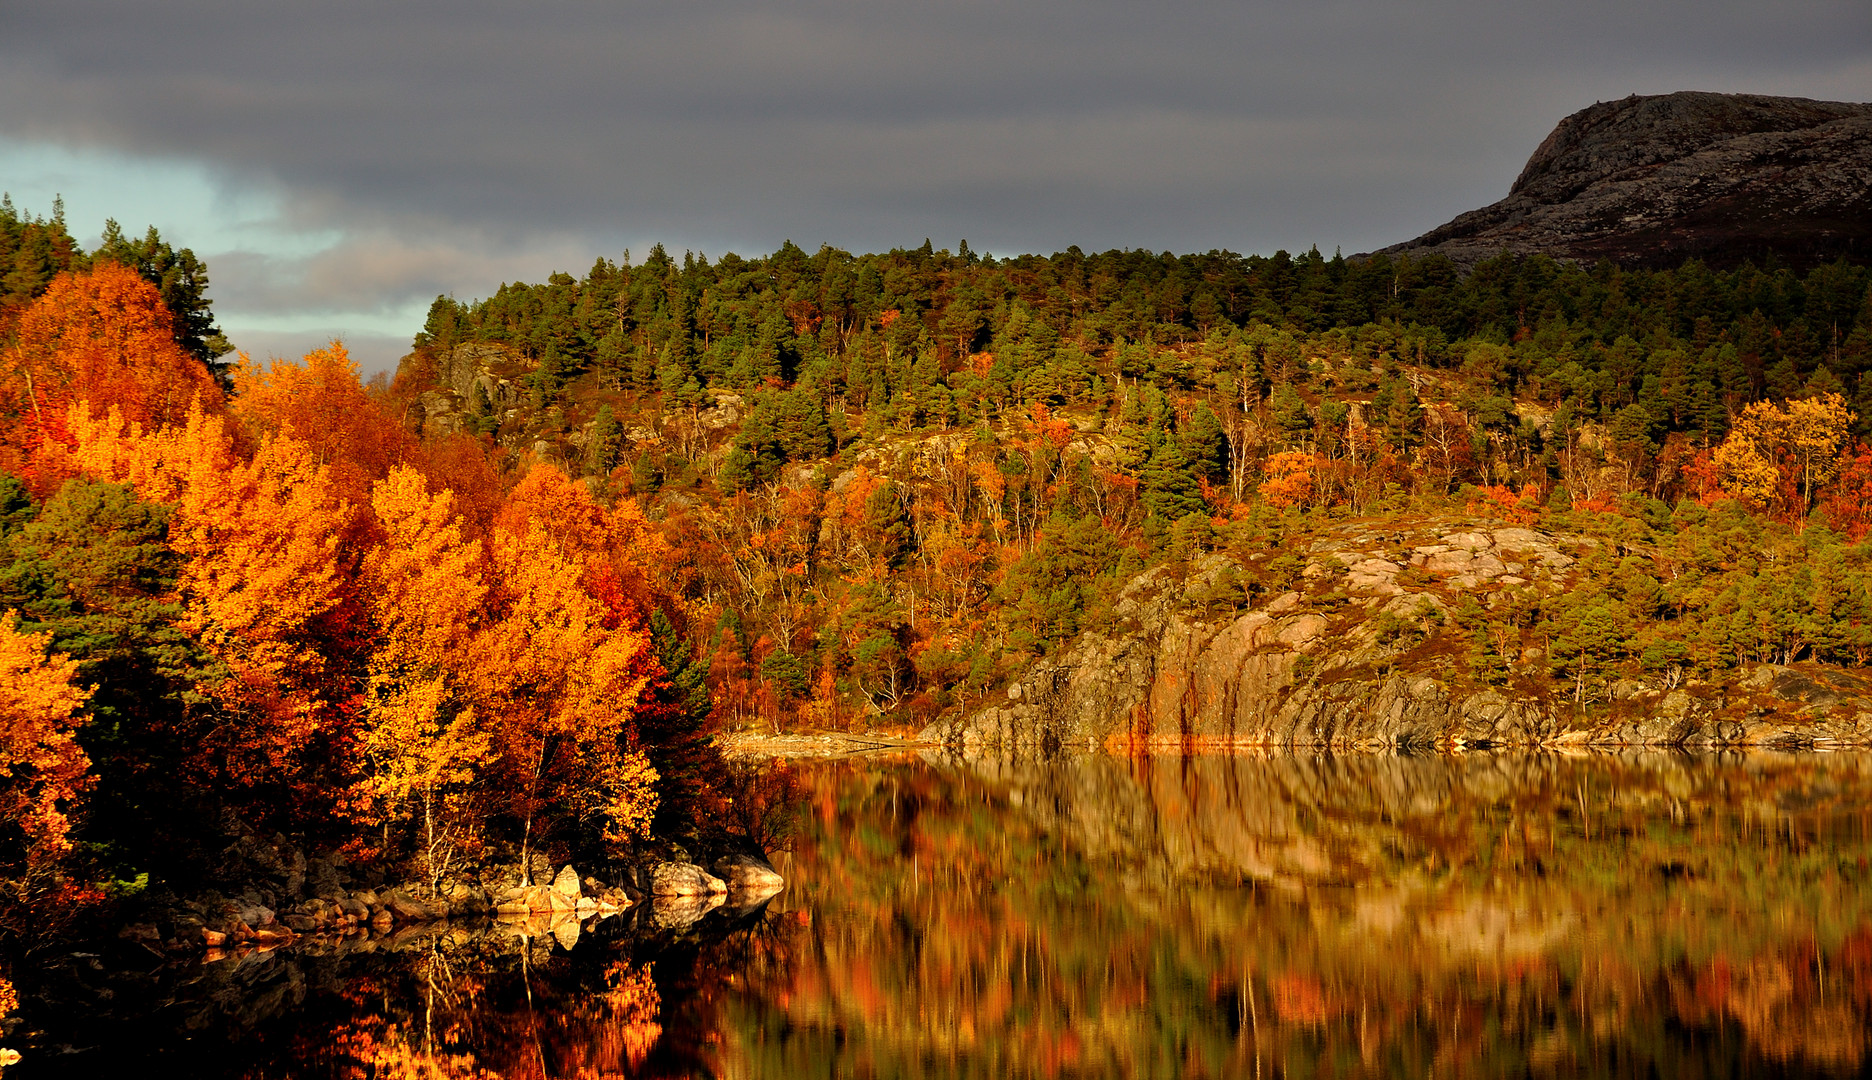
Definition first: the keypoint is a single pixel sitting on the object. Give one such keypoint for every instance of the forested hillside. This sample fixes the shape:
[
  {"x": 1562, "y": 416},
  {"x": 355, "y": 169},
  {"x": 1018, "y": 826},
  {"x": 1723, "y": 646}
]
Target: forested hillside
[
  {"x": 897, "y": 479},
  {"x": 503, "y": 602}
]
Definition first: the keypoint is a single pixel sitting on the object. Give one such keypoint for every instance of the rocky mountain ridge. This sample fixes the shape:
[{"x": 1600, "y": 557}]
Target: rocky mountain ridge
[{"x": 1655, "y": 180}]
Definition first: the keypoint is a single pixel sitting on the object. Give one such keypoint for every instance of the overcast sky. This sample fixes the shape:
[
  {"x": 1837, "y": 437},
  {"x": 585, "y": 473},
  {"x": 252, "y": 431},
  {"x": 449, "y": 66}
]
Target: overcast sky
[{"x": 339, "y": 164}]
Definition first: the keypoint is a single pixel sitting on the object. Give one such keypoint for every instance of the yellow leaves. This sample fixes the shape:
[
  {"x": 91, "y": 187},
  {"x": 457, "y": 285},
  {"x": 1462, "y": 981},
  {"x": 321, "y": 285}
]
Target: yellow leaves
[
  {"x": 42, "y": 768},
  {"x": 411, "y": 750},
  {"x": 161, "y": 463},
  {"x": 424, "y": 588},
  {"x": 1772, "y": 447},
  {"x": 626, "y": 783},
  {"x": 539, "y": 677},
  {"x": 424, "y": 583},
  {"x": 1746, "y": 471}
]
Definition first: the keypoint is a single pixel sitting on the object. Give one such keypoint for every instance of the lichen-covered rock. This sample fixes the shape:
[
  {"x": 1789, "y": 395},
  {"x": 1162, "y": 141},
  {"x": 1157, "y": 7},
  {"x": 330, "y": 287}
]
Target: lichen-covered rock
[{"x": 684, "y": 879}]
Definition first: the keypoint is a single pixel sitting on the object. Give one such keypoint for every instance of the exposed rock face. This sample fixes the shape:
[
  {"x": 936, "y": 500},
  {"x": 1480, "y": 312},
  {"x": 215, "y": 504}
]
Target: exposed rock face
[
  {"x": 684, "y": 879},
  {"x": 1337, "y": 665},
  {"x": 1655, "y": 180},
  {"x": 470, "y": 380}
]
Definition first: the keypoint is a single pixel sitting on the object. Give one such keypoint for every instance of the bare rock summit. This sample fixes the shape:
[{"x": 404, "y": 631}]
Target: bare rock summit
[{"x": 1655, "y": 180}]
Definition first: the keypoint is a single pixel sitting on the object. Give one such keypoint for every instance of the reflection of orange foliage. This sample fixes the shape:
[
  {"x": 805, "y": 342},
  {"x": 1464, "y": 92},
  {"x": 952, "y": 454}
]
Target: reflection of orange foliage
[
  {"x": 1778, "y": 1000},
  {"x": 1300, "y": 999},
  {"x": 1855, "y": 963},
  {"x": 632, "y": 1002},
  {"x": 460, "y": 1033}
]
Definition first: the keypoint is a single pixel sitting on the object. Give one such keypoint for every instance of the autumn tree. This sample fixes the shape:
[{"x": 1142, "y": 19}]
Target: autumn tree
[
  {"x": 1289, "y": 478},
  {"x": 105, "y": 338},
  {"x": 319, "y": 401},
  {"x": 43, "y": 773},
  {"x": 267, "y": 582},
  {"x": 422, "y": 741},
  {"x": 559, "y": 678},
  {"x": 1776, "y": 455}
]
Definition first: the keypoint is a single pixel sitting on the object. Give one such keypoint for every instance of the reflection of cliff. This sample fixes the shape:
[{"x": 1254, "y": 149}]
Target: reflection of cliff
[{"x": 1189, "y": 916}]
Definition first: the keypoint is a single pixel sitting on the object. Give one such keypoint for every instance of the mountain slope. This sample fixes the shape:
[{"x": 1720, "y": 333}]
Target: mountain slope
[{"x": 1654, "y": 180}]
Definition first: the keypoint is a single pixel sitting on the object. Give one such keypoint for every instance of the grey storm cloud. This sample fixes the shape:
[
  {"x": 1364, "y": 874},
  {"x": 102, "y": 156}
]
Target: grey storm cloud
[{"x": 446, "y": 137}]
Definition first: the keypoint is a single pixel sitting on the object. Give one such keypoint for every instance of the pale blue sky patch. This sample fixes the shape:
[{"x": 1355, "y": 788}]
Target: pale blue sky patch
[{"x": 192, "y": 205}]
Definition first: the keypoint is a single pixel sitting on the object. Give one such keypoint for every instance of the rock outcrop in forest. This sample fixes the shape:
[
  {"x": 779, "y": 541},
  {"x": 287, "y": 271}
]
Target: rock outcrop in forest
[
  {"x": 1655, "y": 180},
  {"x": 1384, "y": 640}
]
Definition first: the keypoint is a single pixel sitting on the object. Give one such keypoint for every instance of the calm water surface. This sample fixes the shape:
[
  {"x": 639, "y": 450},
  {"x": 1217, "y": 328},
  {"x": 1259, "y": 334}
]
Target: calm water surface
[{"x": 1650, "y": 915}]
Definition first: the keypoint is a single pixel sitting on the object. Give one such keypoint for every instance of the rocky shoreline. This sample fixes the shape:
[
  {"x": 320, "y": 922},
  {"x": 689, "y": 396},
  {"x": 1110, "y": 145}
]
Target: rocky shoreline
[{"x": 325, "y": 912}]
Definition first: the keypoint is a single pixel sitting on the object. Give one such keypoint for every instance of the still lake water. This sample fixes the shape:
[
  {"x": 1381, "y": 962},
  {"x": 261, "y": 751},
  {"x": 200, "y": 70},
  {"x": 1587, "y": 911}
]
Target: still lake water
[{"x": 1216, "y": 915}]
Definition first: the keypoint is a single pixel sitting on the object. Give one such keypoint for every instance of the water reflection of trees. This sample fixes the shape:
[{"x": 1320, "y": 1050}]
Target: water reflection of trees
[
  {"x": 634, "y": 998},
  {"x": 1217, "y": 915}
]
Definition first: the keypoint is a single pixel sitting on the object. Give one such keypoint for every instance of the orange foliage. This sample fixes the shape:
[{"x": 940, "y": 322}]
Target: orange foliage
[
  {"x": 266, "y": 583},
  {"x": 558, "y": 685},
  {"x": 472, "y": 469},
  {"x": 1847, "y": 503},
  {"x": 320, "y": 402},
  {"x": 425, "y": 581},
  {"x": 42, "y": 769},
  {"x": 1521, "y": 507},
  {"x": 618, "y": 547},
  {"x": 103, "y": 337},
  {"x": 1289, "y": 478},
  {"x": 1702, "y": 478},
  {"x": 425, "y": 588}
]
